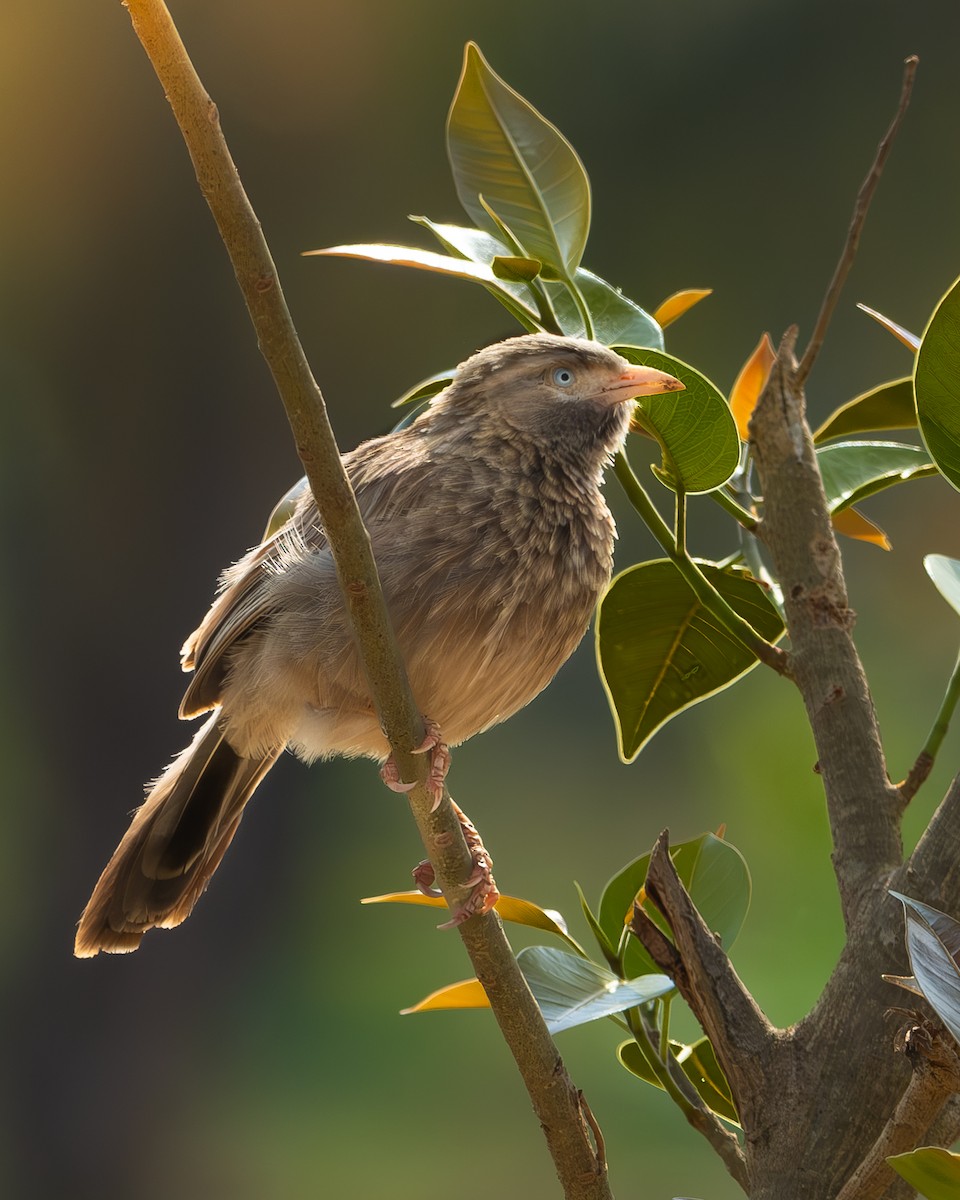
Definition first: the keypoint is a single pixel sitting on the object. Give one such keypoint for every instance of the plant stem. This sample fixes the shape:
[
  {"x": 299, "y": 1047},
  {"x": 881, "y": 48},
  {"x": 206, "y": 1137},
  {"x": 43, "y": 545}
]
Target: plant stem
[
  {"x": 567, "y": 1125},
  {"x": 740, "y": 514},
  {"x": 942, "y": 722},
  {"x": 702, "y": 588}
]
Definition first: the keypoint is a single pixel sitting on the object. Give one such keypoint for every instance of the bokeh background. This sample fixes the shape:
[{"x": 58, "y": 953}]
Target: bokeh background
[{"x": 258, "y": 1052}]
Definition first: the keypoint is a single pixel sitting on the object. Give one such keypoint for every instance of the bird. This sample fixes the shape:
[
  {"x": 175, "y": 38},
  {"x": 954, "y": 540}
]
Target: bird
[{"x": 493, "y": 544}]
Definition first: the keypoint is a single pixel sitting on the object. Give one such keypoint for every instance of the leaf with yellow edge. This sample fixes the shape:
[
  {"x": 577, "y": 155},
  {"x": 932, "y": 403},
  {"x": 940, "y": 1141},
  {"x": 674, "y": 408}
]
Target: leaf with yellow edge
[
  {"x": 510, "y": 908},
  {"x": 679, "y": 303},
  {"x": 466, "y": 994},
  {"x": 750, "y": 383},
  {"x": 853, "y": 524},
  {"x": 908, "y": 339}
]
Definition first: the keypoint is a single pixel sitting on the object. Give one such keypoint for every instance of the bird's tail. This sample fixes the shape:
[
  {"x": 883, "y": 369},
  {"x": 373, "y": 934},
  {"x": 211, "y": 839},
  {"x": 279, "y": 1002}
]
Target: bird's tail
[{"x": 174, "y": 844}]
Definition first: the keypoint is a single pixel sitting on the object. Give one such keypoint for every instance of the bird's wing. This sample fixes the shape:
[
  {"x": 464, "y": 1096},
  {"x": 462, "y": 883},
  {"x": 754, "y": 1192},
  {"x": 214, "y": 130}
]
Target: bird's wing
[
  {"x": 242, "y": 604},
  {"x": 382, "y": 472}
]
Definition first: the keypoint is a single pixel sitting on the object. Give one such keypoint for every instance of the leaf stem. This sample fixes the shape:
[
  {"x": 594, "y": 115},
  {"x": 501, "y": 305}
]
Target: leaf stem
[
  {"x": 741, "y": 515},
  {"x": 588, "y": 331},
  {"x": 942, "y": 722},
  {"x": 657, "y": 1064},
  {"x": 702, "y": 588}
]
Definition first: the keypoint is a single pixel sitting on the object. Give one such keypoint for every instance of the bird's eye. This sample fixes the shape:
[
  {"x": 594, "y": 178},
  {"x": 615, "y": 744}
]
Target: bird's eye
[{"x": 563, "y": 377}]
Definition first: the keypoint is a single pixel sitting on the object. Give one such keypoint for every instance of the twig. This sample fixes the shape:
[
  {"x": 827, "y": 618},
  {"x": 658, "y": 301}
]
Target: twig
[
  {"x": 555, "y": 1099},
  {"x": 932, "y": 873},
  {"x": 860, "y": 209},
  {"x": 936, "y": 1076},
  {"x": 740, "y": 1034}
]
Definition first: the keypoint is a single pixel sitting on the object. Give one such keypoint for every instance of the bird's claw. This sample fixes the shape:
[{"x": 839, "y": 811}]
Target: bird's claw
[
  {"x": 483, "y": 895},
  {"x": 439, "y": 752}
]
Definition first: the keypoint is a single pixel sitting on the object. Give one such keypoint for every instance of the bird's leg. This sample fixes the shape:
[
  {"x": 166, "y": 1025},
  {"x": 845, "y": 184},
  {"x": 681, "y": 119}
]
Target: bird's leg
[
  {"x": 484, "y": 894},
  {"x": 432, "y": 744}
]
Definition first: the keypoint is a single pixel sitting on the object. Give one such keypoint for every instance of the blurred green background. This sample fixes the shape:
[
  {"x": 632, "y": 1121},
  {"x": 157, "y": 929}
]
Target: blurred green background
[{"x": 258, "y": 1051}]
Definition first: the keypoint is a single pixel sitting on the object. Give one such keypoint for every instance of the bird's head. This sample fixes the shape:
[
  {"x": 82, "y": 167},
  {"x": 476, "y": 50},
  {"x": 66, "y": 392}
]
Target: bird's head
[{"x": 561, "y": 393}]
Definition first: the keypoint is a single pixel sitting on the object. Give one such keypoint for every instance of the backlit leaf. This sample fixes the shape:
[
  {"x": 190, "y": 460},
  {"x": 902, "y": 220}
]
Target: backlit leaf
[
  {"x": 750, "y": 383},
  {"x": 853, "y": 524},
  {"x": 660, "y": 651},
  {"x": 889, "y": 406},
  {"x": 910, "y": 340},
  {"x": 945, "y": 573},
  {"x": 468, "y": 993},
  {"x": 572, "y": 990},
  {"x": 935, "y": 1173},
  {"x": 510, "y": 908},
  {"x": 852, "y": 471},
  {"x": 426, "y": 389},
  {"x": 616, "y": 319},
  {"x": 679, "y": 303},
  {"x": 502, "y": 149},
  {"x": 936, "y": 384},
  {"x": 934, "y": 966}
]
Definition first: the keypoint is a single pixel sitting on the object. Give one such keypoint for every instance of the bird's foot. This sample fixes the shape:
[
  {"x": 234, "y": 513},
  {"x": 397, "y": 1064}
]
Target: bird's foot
[
  {"x": 484, "y": 893},
  {"x": 439, "y": 752}
]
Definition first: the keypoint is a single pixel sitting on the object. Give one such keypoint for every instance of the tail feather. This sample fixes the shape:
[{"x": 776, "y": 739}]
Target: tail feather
[{"x": 174, "y": 844}]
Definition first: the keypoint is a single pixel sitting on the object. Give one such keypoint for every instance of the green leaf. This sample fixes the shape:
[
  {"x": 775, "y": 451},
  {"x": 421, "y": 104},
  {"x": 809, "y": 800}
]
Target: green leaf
[
  {"x": 889, "y": 406},
  {"x": 936, "y": 383},
  {"x": 426, "y": 389},
  {"x": 935, "y": 1173},
  {"x": 501, "y": 148},
  {"x": 283, "y": 509},
  {"x": 608, "y": 950},
  {"x": 699, "y": 1064},
  {"x": 660, "y": 651},
  {"x": 616, "y": 319},
  {"x": 852, "y": 471},
  {"x": 484, "y": 248},
  {"x": 514, "y": 269},
  {"x": 573, "y": 991},
  {"x": 695, "y": 427},
  {"x": 934, "y": 966},
  {"x": 945, "y": 573},
  {"x": 713, "y": 872}
]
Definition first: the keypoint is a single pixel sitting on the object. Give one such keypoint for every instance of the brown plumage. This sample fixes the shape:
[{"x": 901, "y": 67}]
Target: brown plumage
[{"x": 493, "y": 543}]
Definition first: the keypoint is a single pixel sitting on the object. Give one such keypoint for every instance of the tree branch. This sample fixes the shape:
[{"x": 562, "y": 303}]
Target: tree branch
[
  {"x": 577, "y": 1156},
  {"x": 863, "y": 806},
  {"x": 936, "y": 1076},
  {"x": 932, "y": 873},
  {"x": 740, "y": 1034},
  {"x": 857, "y": 221}
]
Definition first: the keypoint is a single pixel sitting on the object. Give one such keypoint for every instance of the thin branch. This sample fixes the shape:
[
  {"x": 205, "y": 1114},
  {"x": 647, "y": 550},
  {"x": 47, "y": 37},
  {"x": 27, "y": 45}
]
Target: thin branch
[
  {"x": 741, "y": 1036},
  {"x": 670, "y": 1075},
  {"x": 932, "y": 873},
  {"x": 860, "y": 209},
  {"x": 936, "y": 1076},
  {"x": 556, "y": 1101},
  {"x": 928, "y": 755}
]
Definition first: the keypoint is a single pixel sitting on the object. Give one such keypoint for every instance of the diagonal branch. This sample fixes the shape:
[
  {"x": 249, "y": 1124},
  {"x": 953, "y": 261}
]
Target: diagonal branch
[
  {"x": 935, "y": 1078},
  {"x": 857, "y": 221},
  {"x": 577, "y": 1154},
  {"x": 740, "y": 1034}
]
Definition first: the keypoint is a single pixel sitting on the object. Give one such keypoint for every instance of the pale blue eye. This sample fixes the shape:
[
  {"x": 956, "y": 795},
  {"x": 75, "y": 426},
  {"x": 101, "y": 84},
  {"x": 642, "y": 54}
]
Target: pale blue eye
[{"x": 563, "y": 377}]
